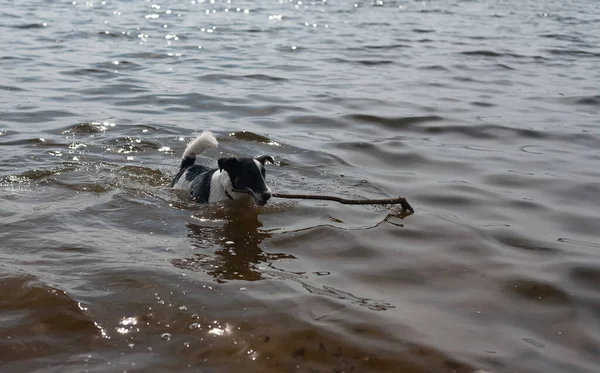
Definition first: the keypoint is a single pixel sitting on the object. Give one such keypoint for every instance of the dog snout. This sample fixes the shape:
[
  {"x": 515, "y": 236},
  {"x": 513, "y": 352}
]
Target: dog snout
[{"x": 265, "y": 195}]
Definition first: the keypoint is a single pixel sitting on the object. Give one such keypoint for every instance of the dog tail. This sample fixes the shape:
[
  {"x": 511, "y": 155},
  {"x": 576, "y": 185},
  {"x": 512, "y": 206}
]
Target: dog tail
[{"x": 201, "y": 143}]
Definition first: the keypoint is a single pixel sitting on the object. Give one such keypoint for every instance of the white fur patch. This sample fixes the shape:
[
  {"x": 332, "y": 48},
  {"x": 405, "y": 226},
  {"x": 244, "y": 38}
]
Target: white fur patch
[
  {"x": 218, "y": 184},
  {"x": 260, "y": 166}
]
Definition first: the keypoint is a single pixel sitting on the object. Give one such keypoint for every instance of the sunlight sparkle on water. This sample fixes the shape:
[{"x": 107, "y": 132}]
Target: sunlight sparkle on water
[
  {"x": 220, "y": 330},
  {"x": 127, "y": 321},
  {"x": 102, "y": 332},
  {"x": 126, "y": 324}
]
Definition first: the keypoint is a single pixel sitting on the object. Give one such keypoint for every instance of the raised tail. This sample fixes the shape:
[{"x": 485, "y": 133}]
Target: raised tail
[{"x": 201, "y": 143}]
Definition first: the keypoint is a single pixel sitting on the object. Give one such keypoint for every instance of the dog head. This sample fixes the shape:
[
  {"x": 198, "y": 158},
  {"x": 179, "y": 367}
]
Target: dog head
[{"x": 247, "y": 176}]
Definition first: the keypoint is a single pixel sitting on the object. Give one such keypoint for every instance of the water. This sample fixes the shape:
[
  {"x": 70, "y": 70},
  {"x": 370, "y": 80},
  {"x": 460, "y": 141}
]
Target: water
[{"x": 484, "y": 115}]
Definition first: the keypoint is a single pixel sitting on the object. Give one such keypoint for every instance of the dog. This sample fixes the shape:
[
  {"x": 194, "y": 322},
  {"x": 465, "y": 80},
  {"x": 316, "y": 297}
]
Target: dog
[{"x": 236, "y": 178}]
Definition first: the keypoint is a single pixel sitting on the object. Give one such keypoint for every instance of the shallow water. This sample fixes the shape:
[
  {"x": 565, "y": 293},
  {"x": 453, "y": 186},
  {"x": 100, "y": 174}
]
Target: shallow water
[{"x": 483, "y": 114}]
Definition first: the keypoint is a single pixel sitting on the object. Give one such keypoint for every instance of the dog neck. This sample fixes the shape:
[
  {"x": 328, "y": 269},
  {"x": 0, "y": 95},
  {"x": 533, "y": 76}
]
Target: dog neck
[{"x": 221, "y": 187}]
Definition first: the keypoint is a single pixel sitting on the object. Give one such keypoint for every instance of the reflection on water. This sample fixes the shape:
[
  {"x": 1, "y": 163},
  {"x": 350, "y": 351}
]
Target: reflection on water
[
  {"x": 236, "y": 232},
  {"x": 484, "y": 115}
]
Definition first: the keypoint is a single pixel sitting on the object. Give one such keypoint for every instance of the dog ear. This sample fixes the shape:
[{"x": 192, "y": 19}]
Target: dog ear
[
  {"x": 227, "y": 164},
  {"x": 264, "y": 158}
]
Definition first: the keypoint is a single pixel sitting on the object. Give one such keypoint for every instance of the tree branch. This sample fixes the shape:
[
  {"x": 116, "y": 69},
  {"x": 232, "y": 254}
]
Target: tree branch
[{"x": 389, "y": 201}]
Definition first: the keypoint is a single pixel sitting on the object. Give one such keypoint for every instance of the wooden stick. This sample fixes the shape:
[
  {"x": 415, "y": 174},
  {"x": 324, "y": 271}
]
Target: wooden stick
[{"x": 390, "y": 201}]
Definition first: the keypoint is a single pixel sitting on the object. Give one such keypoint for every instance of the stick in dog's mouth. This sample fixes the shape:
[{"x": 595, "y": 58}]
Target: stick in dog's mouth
[{"x": 251, "y": 194}]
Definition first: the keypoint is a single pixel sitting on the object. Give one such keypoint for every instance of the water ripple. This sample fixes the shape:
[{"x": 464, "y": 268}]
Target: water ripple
[{"x": 482, "y": 114}]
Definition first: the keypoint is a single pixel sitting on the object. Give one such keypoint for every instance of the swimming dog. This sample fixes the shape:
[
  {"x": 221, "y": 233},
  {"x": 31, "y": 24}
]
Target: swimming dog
[{"x": 236, "y": 178}]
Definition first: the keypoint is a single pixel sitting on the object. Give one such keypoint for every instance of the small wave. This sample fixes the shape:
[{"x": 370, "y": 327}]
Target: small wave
[
  {"x": 312, "y": 121},
  {"x": 436, "y": 11},
  {"x": 44, "y": 313},
  {"x": 91, "y": 72},
  {"x": 11, "y": 88},
  {"x": 362, "y": 62},
  {"x": 255, "y": 30},
  {"x": 572, "y": 52},
  {"x": 86, "y": 128},
  {"x": 146, "y": 175},
  {"x": 505, "y": 66},
  {"x": 538, "y": 291},
  {"x": 382, "y": 47},
  {"x": 488, "y": 53},
  {"x": 34, "y": 175},
  {"x": 112, "y": 90},
  {"x": 583, "y": 100},
  {"x": 104, "y": 69},
  {"x": 392, "y": 153},
  {"x": 127, "y": 145},
  {"x": 586, "y": 274},
  {"x": 487, "y": 131},
  {"x": 483, "y": 53},
  {"x": 397, "y": 122},
  {"x": 38, "y": 141},
  {"x": 79, "y": 186},
  {"x": 143, "y": 56},
  {"x": 12, "y": 58},
  {"x": 512, "y": 240},
  {"x": 29, "y": 26},
  {"x": 422, "y": 31},
  {"x": 434, "y": 68},
  {"x": 482, "y": 104},
  {"x": 563, "y": 37},
  {"x": 260, "y": 77},
  {"x": 36, "y": 116},
  {"x": 116, "y": 34},
  {"x": 369, "y": 24},
  {"x": 251, "y": 136}
]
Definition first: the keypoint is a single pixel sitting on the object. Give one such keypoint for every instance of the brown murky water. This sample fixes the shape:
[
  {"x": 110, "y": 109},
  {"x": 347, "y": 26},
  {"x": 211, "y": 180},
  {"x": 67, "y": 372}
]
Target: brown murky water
[{"x": 483, "y": 114}]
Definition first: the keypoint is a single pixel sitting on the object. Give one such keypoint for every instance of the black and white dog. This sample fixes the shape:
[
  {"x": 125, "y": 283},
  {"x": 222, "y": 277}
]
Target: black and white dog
[{"x": 235, "y": 178}]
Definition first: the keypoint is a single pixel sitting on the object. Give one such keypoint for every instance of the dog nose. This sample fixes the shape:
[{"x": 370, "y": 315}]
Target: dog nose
[{"x": 265, "y": 195}]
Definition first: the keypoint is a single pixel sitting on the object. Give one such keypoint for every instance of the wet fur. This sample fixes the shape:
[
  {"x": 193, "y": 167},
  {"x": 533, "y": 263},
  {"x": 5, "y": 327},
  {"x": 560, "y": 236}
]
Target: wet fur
[{"x": 208, "y": 185}]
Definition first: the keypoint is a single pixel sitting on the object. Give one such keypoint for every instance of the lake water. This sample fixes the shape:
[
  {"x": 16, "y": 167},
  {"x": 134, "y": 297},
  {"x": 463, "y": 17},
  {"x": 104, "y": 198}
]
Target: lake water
[{"x": 483, "y": 114}]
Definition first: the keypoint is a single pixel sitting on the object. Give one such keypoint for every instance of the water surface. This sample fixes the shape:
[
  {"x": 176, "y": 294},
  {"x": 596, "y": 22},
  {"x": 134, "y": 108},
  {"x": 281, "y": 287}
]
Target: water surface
[{"x": 484, "y": 114}]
